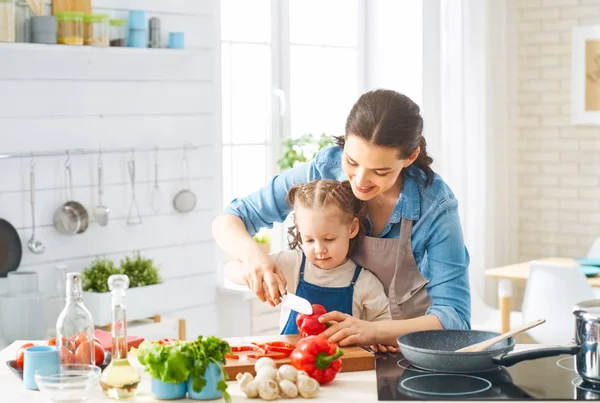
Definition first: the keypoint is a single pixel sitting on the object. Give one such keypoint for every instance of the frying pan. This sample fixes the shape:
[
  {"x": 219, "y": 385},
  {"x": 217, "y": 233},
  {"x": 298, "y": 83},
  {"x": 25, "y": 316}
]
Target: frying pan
[
  {"x": 435, "y": 350},
  {"x": 11, "y": 249}
]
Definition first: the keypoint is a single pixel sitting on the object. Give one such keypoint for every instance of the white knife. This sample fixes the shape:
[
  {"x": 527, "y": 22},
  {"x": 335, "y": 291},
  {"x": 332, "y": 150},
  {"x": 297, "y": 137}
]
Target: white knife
[{"x": 297, "y": 304}]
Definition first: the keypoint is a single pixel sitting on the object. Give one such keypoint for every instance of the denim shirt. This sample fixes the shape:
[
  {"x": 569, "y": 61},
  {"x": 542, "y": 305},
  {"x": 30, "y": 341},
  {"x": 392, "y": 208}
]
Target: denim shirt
[{"x": 437, "y": 239}]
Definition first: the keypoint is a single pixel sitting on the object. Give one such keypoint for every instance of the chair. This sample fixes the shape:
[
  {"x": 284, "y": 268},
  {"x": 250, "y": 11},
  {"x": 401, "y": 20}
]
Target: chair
[
  {"x": 484, "y": 317},
  {"x": 594, "y": 251},
  {"x": 551, "y": 292}
]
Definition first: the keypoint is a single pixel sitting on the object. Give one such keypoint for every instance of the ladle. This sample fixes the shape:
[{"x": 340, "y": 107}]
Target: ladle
[{"x": 34, "y": 245}]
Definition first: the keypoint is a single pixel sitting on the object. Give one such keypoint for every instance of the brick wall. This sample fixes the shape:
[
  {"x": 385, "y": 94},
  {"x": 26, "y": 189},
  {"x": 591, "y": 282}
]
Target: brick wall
[{"x": 558, "y": 164}]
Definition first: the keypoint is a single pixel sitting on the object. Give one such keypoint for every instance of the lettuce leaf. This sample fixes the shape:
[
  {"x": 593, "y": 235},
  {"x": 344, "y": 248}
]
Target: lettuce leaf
[{"x": 168, "y": 363}]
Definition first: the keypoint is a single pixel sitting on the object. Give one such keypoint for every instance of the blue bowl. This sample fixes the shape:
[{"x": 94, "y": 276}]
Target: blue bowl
[
  {"x": 168, "y": 391},
  {"x": 209, "y": 391}
]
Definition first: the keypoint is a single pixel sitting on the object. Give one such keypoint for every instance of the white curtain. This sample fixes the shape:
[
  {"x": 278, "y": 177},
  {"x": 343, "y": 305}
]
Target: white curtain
[{"x": 467, "y": 125}]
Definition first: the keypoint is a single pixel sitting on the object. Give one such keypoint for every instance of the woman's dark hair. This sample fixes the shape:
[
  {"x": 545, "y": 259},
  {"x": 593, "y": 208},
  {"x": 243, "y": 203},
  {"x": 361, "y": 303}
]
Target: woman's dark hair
[
  {"x": 390, "y": 119},
  {"x": 323, "y": 193}
]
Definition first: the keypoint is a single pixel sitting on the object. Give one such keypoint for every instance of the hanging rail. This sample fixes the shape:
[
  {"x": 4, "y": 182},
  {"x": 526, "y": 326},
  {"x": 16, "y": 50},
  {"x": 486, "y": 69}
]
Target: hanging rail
[{"x": 103, "y": 151}]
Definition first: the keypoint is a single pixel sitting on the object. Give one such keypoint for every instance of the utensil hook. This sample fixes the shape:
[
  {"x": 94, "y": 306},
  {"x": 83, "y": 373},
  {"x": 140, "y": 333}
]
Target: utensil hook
[
  {"x": 186, "y": 168},
  {"x": 68, "y": 177},
  {"x": 133, "y": 205},
  {"x": 100, "y": 177},
  {"x": 156, "y": 167}
]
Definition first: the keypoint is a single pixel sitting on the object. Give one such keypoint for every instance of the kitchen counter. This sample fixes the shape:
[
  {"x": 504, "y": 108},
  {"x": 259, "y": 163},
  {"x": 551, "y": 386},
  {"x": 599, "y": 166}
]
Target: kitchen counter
[{"x": 347, "y": 387}]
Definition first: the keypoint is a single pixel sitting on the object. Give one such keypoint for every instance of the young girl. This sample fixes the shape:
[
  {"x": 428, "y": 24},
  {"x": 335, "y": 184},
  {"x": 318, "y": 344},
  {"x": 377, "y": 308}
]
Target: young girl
[{"x": 328, "y": 222}]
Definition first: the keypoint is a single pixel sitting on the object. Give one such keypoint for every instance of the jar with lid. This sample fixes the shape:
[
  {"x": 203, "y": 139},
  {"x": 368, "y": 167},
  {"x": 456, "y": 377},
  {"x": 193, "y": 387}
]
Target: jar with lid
[
  {"x": 96, "y": 29},
  {"x": 7, "y": 20},
  {"x": 118, "y": 33},
  {"x": 70, "y": 27}
]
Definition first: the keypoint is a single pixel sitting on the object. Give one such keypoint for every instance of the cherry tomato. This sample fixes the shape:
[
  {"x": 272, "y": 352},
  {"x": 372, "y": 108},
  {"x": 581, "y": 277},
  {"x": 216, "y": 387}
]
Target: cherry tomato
[
  {"x": 21, "y": 354},
  {"x": 51, "y": 341}
]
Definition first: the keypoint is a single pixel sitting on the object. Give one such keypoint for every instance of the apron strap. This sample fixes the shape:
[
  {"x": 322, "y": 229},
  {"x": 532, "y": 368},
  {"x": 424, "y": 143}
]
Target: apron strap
[
  {"x": 302, "y": 266},
  {"x": 356, "y": 274}
]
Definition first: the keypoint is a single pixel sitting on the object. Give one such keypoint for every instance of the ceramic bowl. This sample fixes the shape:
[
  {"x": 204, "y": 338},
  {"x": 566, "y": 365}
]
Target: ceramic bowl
[{"x": 68, "y": 383}]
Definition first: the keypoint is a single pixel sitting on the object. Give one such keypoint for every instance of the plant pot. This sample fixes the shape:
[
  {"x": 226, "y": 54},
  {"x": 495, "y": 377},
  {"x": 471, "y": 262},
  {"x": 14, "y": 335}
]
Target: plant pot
[
  {"x": 142, "y": 303},
  {"x": 168, "y": 391},
  {"x": 209, "y": 392}
]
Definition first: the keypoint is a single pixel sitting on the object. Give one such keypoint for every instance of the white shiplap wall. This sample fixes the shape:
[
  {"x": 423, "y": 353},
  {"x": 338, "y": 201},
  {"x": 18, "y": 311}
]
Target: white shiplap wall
[{"x": 61, "y": 97}]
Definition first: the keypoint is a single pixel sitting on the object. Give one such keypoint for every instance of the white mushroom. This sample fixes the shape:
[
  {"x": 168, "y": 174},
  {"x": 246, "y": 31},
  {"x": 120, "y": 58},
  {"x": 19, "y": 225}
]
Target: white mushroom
[
  {"x": 244, "y": 379},
  {"x": 288, "y": 388},
  {"x": 268, "y": 390},
  {"x": 266, "y": 373},
  {"x": 264, "y": 362},
  {"x": 251, "y": 389},
  {"x": 302, "y": 373},
  {"x": 308, "y": 387},
  {"x": 288, "y": 372}
]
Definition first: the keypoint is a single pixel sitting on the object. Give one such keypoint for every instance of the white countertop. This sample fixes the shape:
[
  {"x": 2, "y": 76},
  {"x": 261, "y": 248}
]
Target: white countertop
[{"x": 359, "y": 387}]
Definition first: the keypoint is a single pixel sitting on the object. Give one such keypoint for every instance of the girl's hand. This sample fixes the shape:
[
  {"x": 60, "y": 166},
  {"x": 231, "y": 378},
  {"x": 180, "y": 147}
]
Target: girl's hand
[
  {"x": 264, "y": 278},
  {"x": 347, "y": 330}
]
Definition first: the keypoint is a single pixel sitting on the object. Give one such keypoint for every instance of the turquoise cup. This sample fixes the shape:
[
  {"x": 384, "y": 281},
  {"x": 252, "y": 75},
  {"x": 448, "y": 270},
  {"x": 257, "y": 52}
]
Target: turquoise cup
[
  {"x": 209, "y": 391},
  {"x": 36, "y": 358},
  {"x": 168, "y": 391}
]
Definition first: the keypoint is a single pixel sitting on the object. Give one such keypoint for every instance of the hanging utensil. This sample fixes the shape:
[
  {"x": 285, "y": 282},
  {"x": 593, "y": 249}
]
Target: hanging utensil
[
  {"x": 131, "y": 220},
  {"x": 11, "y": 250},
  {"x": 71, "y": 217},
  {"x": 155, "y": 197},
  {"x": 185, "y": 200},
  {"x": 101, "y": 212},
  {"x": 34, "y": 245}
]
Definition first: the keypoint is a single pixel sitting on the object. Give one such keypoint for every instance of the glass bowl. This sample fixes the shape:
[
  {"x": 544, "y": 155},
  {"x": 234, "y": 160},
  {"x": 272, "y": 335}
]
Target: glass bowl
[{"x": 69, "y": 382}]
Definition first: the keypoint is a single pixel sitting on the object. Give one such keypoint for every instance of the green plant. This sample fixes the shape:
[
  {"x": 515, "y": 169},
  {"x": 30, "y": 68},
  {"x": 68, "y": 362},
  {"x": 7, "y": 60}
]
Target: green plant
[
  {"x": 141, "y": 272},
  {"x": 95, "y": 276},
  {"x": 302, "y": 149}
]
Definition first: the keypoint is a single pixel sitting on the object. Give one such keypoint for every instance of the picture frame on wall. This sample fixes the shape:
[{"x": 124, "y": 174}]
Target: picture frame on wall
[{"x": 585, "y": 76}]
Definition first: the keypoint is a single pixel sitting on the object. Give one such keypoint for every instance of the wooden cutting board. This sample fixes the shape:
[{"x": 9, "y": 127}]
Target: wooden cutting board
[{"x": 354, "y": 358}]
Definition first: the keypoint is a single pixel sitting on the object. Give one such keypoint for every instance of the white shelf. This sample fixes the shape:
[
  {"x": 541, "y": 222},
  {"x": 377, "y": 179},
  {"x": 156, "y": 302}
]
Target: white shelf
[{"x": 100, "y": 49}]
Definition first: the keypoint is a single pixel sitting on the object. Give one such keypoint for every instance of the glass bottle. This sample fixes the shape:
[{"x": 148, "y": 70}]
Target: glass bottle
[
  {"x": 120, "y": 379},
  {"x": 75, "y": 326}
]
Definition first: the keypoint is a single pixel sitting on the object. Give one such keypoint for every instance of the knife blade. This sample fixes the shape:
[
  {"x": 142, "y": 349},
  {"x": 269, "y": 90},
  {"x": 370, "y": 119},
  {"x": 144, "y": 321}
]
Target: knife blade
[{"x": 297, "y": 304}]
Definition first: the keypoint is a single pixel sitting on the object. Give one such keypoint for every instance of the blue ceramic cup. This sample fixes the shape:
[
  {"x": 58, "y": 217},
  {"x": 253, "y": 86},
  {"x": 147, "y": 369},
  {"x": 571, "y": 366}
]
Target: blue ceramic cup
[
  {"x": 176, "y": 40},
  {"x": 209, "y": 391},
  {"x": 35, "y": 358},
  {"x": 168, "y": 391}
]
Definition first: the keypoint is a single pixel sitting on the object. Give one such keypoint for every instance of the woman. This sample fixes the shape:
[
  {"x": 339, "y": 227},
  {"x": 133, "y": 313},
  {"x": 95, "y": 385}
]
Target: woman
[{"x": 415, "y": 244}]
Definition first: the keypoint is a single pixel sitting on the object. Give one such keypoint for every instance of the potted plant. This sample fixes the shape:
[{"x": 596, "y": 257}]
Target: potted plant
[
  {"x": 145, "y": 285},
  {"x": 192, "y": 367},
  {"x": 302, "y": 149}
]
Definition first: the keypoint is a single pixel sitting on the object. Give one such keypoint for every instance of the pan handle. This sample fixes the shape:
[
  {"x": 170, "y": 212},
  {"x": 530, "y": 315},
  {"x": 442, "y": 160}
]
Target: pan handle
[{"x": 515, "y": 357}]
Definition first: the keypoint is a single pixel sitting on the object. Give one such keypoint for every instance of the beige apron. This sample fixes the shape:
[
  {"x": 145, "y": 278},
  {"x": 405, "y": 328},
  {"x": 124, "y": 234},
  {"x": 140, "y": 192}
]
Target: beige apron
[{"x": 393, "y": 262}]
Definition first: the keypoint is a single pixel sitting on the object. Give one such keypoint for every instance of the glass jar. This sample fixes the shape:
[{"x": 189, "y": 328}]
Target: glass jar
[
  {"x": 96, "y": 29},
  {"x": 70, "y": 28},
  {"x": 118, "y": 33},
  {"x": 23, "y": 14},
  {"x": 7, "y": 21},
  {"x": 75, "y": 326}
]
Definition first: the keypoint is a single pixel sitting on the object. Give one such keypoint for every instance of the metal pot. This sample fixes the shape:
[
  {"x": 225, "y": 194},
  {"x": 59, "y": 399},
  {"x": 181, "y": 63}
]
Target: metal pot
[{"x": 587, "y": 335}]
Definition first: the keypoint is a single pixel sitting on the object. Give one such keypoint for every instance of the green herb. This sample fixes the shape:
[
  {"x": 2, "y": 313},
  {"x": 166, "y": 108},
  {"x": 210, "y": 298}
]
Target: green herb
[
  {"x": 95, "y": 277},
  {"x": 302, "y": 149},
  {"x": 183, "y": 360},
  {"x": 141, "y": 272}
]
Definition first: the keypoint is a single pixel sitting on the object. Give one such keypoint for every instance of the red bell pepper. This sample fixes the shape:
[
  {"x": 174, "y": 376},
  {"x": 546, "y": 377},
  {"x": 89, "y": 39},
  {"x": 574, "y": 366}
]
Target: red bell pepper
[
  {"x": 309, "y": 325},
  {"x": 318, "y": 357}
]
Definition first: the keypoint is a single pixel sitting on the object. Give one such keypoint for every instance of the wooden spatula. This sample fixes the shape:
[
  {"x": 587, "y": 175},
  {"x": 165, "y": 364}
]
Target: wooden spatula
[{"x": 489, "y": 343}]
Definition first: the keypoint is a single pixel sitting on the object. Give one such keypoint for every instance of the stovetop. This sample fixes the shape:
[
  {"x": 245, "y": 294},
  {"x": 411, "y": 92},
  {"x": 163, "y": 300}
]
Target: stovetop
[{"x": 551, "y": 378}]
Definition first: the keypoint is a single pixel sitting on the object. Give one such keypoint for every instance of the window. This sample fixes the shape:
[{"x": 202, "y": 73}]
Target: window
[{"x": 289, "y": 67}]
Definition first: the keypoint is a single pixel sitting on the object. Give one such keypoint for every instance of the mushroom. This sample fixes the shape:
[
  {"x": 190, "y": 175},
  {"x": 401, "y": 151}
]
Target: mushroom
[
  {"x": 244, "y": 379},
  {"x": 308, "y": 387},
  {"x": 268, "y": 390},
  {"x": 266, "y": 373},
  {"x": 288, "y": 388},
  {"x": 288, "y": 372},
  {"x": 302, "y": 373},
  {"x": 251, "y": 388},
  {"x": 264, "y": 362}
]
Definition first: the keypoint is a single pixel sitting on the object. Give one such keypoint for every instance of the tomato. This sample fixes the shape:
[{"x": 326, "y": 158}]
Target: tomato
[
  {"x": 21, "y": 354},
  {"x": 51, "y": 341},
  {"x": 67, "y": 357},
  {"x": 82, "y": 355}
]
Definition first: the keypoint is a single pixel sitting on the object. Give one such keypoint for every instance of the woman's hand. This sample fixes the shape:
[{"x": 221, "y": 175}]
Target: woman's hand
[
  {"x": 347, "y": 330},
  {"x": 380, "y": 348},
  {"x": 264, "y": 278}
]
